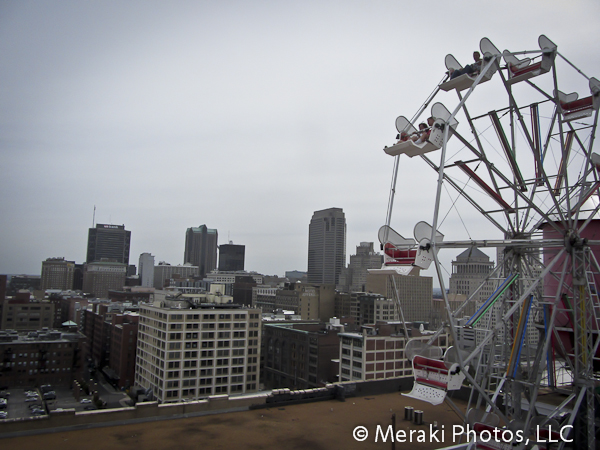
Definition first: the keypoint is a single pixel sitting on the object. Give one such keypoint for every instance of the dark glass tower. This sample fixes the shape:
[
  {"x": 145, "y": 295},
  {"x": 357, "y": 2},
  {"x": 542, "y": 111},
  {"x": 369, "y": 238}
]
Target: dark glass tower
[
  {"x": 201, "y": 248},
  {"x": 326, "y": 246},
  {"x": 110, "y": 242},
  {"x": 231, "y": 257}
]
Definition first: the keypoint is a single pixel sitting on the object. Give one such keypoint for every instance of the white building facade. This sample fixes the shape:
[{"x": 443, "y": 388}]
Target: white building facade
[{"x": 190, "y": 351}]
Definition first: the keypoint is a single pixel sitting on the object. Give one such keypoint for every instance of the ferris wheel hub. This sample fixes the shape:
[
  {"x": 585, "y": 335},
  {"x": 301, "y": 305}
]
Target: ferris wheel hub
[{"x": 574, "y": 241}]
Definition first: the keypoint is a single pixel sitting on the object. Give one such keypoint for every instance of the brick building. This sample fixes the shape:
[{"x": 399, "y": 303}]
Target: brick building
[
  {"x": 40, "y": 357},
  {"x": 299, "y": 355}
]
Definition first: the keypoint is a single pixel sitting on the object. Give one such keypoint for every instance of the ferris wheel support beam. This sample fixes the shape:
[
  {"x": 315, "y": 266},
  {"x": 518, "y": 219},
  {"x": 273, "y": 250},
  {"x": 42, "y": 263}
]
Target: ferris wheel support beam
[
  {"x": 545, "y": 217},
  {"x": 464, "y": 194},
  {"x": 476, "y": 291},
  {"x": 563, "y": 149},
  {"x": 573, "y": 65},
  {"x": 429, "y": 99},
  {"x": 468, "y": 376},
  {"x": 481, "y": 151},
  {"x": 479, "y": 77},
  {"x": 544, "y": 349},
  {"x": 520, "y": 243},
  {"x": 537, "y": 155},
  {"x": 516, "y": 306},
  {"x": 587, "y": 173}
]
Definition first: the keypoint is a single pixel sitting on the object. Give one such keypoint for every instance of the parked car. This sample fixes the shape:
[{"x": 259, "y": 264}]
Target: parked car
[
  {"x": 38, "y": 412},
  {"x": 3, "y": 415},
  {"x": 85, "y": 400},
  {"x": 32, "y": 399},
  {"x": 51, "y": 395}
]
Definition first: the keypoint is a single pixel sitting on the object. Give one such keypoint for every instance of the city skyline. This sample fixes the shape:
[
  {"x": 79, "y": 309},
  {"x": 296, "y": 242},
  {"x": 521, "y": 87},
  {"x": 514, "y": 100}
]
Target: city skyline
[{"x": 270, "y": 111}]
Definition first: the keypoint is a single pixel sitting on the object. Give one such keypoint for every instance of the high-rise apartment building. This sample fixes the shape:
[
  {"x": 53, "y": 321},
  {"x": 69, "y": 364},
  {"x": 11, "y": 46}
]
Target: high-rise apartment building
[
  {"x": 191, "y": 351},
  {"x": 231, "y": 257},
  {"x": 110, "y": 242},
  {"x": 326, "y": 246},
  {"x": 146, "y": 270},
  {"x": 201, "y": 248},
  {"x": 57, "y": 274}
]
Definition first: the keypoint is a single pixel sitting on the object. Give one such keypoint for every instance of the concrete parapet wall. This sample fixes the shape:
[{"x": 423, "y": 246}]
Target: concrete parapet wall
[
  {"x": 146, "y": 410},
  {"x": 154, "y": 411}
]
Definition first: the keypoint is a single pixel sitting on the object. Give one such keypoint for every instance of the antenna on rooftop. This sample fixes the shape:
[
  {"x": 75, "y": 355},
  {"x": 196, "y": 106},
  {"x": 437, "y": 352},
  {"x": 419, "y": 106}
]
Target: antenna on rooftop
[{"x": 94, "y": 217}]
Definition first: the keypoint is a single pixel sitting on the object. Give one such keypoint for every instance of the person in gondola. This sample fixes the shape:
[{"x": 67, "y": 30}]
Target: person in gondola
[
  {"x": 470, "y": 69},
  {"x": 422, "y": 135}
]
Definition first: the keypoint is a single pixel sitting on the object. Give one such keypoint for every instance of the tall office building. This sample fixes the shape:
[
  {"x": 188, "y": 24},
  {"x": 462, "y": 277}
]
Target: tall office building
[
  {"x": 201, "y": 248},
  {"x": 110, "y": 242},
  {"x": 146, "y": 270},
  {"x": 231, "y": 257},
  {"x": 57, "y": 274},
  {"x": 326, "y": 246},
  {"x": 102, "y": 276},
  {"x": 469, "y": 271},
  {"x": 354, "y": 277}
]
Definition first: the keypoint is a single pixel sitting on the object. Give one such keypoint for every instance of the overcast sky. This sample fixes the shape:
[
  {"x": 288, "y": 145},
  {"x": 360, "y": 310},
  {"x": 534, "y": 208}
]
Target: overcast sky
[{"x": 246, "y": 116}]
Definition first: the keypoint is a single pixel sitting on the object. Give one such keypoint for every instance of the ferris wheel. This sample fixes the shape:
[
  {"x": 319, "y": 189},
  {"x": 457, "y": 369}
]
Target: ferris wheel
[{"x": 527, "y": 166}]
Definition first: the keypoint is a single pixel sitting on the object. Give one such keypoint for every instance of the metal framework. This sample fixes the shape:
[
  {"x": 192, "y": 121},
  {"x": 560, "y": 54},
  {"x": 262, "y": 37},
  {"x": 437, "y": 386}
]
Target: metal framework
[{"x": 535, "y": 180}]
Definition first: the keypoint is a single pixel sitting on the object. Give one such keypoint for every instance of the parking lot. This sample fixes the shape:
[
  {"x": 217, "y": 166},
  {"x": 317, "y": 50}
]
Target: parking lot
[{"x": 24, "y": 402}]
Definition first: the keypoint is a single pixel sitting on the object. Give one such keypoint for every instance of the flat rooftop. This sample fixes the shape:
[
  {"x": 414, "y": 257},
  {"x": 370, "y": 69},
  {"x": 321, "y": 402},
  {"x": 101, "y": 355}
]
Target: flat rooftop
[{"x": 323, "y": 425}]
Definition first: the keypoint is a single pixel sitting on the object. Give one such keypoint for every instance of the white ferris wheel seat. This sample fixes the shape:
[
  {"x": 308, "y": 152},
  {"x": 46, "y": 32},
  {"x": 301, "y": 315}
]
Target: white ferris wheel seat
[
  {"x": 465, "y": 81},
  {"x": 572, "y": 107},
  {"x": 434, "y": 378},
  {"x": 407, "y": 146},
  {"x": 523, "y": 69},
  {"x": 406, "y": 256}
]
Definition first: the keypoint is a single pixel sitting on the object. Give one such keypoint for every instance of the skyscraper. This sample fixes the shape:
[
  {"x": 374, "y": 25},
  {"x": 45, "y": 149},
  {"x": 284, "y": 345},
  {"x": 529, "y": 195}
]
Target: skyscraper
[
  {"x": 326, "y": 246},
  {"x": 231, "y": 257},
  {"x": 110, "y": 242},
  {"x": 146, "y": 270},
  {"x": 354, "y": 277},
  {"x": 201, "y": 248}
]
